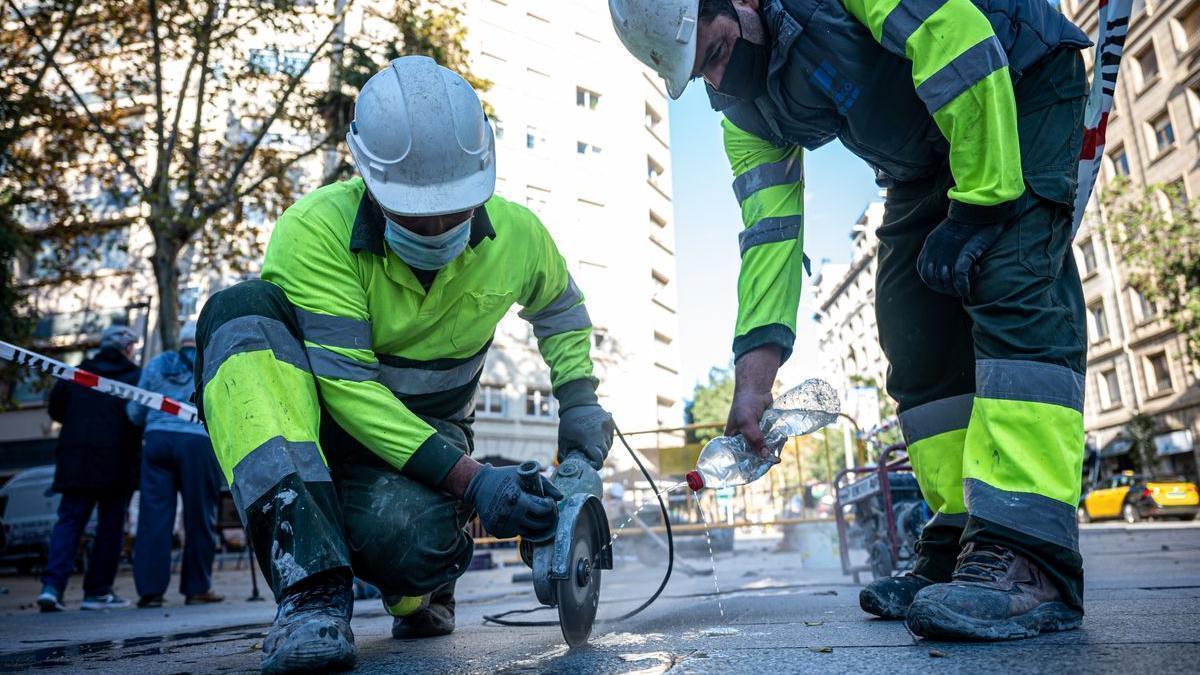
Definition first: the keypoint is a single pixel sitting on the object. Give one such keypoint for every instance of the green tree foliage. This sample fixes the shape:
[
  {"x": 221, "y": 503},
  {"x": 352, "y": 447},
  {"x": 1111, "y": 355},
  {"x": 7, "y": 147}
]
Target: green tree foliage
[
  {"x": 710, "y": 403},
  {"x": 195, "y": 119},
  {"x": 1142, "y": 451},
  {"x": 1157, "y": 235}
]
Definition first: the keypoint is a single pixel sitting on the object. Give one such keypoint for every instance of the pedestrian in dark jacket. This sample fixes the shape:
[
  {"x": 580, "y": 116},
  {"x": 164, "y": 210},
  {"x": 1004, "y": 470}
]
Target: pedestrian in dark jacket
[
  {"x": 177, "y": 458},
  {"x": 97, "y": 469}
]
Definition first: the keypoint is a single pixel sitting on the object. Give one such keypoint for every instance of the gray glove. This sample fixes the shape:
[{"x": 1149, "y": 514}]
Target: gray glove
[
  {"x": 587, "y": 429},
  {"x": 507, "y": 510}
]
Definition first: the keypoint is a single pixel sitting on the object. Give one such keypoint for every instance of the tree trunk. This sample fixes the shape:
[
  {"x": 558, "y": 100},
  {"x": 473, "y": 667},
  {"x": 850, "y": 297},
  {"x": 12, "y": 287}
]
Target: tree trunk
[{"x": 166, "y": 277}]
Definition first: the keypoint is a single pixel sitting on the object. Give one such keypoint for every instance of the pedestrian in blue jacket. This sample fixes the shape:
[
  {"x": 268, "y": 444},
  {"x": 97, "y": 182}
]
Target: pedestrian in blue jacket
[{"x": 177, "y": 458}]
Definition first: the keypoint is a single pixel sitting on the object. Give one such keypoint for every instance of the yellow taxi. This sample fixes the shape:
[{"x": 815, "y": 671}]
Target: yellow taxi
[{"x": 1133, "y": 497}]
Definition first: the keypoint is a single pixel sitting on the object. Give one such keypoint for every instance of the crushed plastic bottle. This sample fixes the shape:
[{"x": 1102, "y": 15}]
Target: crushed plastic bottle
[{"x": 725, "y": 461}]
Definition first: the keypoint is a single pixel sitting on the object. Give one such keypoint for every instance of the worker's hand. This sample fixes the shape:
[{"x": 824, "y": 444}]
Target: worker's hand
[
  {"x": 587, "y": 429},
  {"x": 951, "y": 253},
  {"x": 506, "y": 509},
  {"x": 754, "y": 374}
]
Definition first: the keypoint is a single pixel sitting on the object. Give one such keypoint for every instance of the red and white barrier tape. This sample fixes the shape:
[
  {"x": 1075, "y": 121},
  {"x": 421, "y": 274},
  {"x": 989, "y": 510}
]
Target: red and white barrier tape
[
  {"x": 83, "y": 378},
  {"x": 1110, "y": 44}
]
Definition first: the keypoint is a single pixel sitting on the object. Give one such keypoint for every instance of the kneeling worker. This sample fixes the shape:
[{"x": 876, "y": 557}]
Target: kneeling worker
[{"x": 338, "y": 389}]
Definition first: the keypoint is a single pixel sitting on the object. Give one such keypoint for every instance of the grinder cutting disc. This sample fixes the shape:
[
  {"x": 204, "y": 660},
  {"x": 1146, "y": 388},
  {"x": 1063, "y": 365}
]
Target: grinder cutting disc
[{"x": 579, "y": 593}]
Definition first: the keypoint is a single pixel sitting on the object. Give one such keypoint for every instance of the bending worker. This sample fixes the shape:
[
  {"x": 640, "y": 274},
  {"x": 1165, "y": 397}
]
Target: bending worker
[
  {"x": 970, "y": 112},
  {"x": 338, "y": 389}
]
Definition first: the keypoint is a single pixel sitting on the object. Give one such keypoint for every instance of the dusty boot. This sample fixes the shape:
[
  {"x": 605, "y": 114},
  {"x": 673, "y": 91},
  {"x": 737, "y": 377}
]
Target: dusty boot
[
  {"x": 434, "y": 619},
  {"x": 890, "y": 597},
  {"x": 996, "y": 594},
  {"x": 312, "y": 628}
]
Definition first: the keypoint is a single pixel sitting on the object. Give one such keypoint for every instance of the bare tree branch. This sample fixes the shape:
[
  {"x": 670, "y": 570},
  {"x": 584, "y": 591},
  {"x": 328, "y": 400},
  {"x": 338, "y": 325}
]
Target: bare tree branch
[
  {"x": 227, "y": 190},
  {"x": 159, "y": 178},
  {"x": 193, "y": 160},
  {"x": 225, "y": 200},
  {"x": 36, "y": 82},
  {"x": 95, "y": 122}
]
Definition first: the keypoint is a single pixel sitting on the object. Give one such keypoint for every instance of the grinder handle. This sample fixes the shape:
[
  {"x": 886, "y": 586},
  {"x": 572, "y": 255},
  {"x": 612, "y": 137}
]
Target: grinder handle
[{"x": 529, "y": 473}]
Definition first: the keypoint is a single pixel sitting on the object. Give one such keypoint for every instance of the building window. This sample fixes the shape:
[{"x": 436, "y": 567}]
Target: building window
[
  {"x": 662, "y": 338},
  {"x": 659, "y": 222},
  {"x": 1158, "y": 373},
  {"x": 653, "y": 119},
  {"x": 585, "y": 149},
  {"x": 1110, "y": 389},
  {"x": 1099, "y": 321},
  {"x": 1147, "y": 66},
  {"x": 654, "y": 170},
  {"x": 1120, "y": 162},
  {"x": 1186, "y": 28},
  {"x": 1088, "y": 251},
  {"x": 660, "y": 281},
  {"x": 1146, "y": 310},
  {"x": 599, "y": 338},
  {"x": 498, "y": 127},
  {"x": 538, "y": 402},
  {"x": 1193, "y": 103},
  {"x": 1162, "y": 133},
  {"x": 533, "y": 139},
  {"x": 536, "y": 198},
  {"x": 489, "y": 399},
  {"x": 586, "y": 98}
]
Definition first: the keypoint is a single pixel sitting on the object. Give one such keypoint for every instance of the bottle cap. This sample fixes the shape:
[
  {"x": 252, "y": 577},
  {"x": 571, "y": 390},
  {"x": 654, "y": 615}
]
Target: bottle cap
[{"x": 695, "y": 481}]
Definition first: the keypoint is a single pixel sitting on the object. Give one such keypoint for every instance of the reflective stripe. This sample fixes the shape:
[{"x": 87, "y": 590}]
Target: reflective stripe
[
  {"x": 334, "y": 331},
  {"x": 261, "y": 470},
  {"x": 784, "y": 172},
  {"x": 956, "y": 520},
  {"x": 1014, "y": 380},
  {"x": 904, "y": 20},
  {"x": 251, "y": 334},
  {"x": 562, "y": 315},
  {"x": 962, "y": 73},
  {"x": 936, "y": 417},
  {"x": 412, "y": 381},
  {"x": 331, "y": 364},
  {"x": 769, "y": 231},
  {"x": 1028, "y": 513}
]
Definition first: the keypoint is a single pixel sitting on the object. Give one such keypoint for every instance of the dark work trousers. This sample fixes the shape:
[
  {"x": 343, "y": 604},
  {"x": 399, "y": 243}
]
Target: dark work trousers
[
  {"x": 74, "y": 511},
  {"x": 990, "y": 387},
  {"x": 182, "y": 463}
]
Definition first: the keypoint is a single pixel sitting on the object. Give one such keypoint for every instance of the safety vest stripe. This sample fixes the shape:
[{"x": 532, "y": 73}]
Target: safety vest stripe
[
  {"x": 1014, "y": 380},
  {"x": 334, "y": 331},
  {"x": 565, "y": 313},
  {"x": 769, "y": 231},
  {"x": 268, "y": 464},
  {"x": 1028, "y": 513},
  {"x": 330, "y": 364},
  {"x": 412, "y": 381},
  {"x": 904, "y": 20},
  {"x": 250, "y": 334},
  {"x": 936, "y": 417},
  {"x": 962, "y": 73},
  {"x": 941, "y": 519},
  {"x": 784, "y": 172}
]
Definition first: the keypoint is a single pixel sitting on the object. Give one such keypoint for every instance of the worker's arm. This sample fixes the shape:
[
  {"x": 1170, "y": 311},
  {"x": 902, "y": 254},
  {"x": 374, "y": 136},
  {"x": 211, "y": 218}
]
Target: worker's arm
[
  {"x": 769, "y": 184},
  {"x": 322, "y": 280},
  {"x": 553, "y": 305},
  {"x": 961, "y": 73}
]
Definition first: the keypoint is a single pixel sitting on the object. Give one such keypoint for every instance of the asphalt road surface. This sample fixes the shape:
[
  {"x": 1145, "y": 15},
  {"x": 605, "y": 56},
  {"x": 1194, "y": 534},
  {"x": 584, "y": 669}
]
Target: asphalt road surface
[{"x": 773, "y": 615}]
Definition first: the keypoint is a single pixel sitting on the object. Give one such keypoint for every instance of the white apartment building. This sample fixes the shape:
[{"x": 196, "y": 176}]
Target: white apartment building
[
  {"x": 582, "y": 139},
  {"x": 1136, "y": 362}
]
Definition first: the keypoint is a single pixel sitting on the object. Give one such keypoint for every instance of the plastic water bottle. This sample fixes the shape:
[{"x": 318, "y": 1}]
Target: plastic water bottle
[{"x": 725, "y": 461}]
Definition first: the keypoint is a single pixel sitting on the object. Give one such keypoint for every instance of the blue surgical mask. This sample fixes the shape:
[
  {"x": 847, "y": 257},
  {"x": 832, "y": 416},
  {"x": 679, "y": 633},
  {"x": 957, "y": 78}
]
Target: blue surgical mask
[{"x": 427, "y": 252}]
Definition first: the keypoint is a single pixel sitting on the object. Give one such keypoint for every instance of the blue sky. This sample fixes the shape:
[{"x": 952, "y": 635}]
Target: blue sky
[{"x": 707, "y": 222}]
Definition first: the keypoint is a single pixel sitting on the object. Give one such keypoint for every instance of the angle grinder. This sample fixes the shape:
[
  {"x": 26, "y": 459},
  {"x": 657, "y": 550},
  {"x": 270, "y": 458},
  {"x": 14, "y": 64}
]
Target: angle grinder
[{"x": 566, "y": 564}]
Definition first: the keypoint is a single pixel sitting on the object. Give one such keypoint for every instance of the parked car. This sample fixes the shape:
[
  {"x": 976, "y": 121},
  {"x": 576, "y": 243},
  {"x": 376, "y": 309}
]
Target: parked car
[
  {"x": 1135, "y": 497},
  {"x": 29, "y": 511}
]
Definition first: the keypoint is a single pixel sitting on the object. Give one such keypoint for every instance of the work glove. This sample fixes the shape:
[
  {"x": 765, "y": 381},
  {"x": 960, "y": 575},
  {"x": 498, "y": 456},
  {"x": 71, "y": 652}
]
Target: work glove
[
  {"x": 506, "y": 509},
  {"x": 948, "y": 260},
  {"x": 586, "y": 429}
]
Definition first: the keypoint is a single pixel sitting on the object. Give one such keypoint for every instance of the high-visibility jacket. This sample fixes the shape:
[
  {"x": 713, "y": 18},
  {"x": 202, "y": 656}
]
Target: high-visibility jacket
[
  {"x": 909, "y": 86},
  {"x": 385, "y": 350}
]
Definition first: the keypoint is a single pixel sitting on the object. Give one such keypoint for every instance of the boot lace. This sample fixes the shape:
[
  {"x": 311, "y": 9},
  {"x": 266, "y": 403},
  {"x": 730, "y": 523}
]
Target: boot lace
[{"x": 983, "y": 563}]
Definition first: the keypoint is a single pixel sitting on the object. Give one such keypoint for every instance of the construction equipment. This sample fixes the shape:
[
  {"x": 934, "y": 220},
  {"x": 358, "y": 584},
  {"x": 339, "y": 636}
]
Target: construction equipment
[
  {"x": 888, "y": 510},
  {"x": 567, "y": 567}
]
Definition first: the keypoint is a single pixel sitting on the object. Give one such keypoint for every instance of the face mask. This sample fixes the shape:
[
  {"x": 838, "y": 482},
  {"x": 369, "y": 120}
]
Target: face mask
[
  {"x": 746, "y": 71},
  {"x": 431, "y": 252}
]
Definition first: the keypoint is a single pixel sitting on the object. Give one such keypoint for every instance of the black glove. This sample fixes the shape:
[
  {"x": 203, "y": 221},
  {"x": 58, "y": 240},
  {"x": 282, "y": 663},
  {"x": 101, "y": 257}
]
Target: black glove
[
  {"x": 505, "y": 509},
  {"x": 587, "y": 429},
  {"x": 951, "y": 252}
]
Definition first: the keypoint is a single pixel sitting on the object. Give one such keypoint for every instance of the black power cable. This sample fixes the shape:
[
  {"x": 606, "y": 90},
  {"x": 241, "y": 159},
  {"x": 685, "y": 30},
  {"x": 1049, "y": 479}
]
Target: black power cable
[{"x": 499, "y": 619}]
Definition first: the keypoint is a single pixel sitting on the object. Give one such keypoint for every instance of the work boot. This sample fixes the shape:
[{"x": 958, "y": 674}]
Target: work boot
[
  {"x": 996, "y": 594},
  {"x": 208, "y": 597},
  {"x": 434, "y": 619},
  {"x": 311, "y": 632},
  {"x": 889, "y": 598},
  {"x": 150, "y": 601}
]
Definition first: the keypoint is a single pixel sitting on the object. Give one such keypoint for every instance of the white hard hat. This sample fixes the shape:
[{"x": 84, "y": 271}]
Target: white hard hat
[
  {"x": 660, "y": 34},
  {"x": 420, "y": 140}
]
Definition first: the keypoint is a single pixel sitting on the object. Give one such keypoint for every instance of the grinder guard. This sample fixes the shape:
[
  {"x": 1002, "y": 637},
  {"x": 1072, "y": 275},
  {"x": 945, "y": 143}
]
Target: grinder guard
[{"x": 552, "y": 560}]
